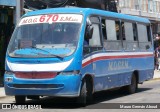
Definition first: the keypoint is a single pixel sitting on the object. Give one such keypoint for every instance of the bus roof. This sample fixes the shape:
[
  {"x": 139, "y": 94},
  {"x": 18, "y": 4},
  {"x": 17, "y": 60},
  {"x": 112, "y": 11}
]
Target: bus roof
[{"x": 88, "y": 11}]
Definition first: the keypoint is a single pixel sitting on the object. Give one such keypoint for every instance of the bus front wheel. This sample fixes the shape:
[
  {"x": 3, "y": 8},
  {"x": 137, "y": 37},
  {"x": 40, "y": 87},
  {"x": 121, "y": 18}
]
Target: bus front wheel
[
  {"x": 20, "y": 99},
  {"x": 82, "y": 99}
]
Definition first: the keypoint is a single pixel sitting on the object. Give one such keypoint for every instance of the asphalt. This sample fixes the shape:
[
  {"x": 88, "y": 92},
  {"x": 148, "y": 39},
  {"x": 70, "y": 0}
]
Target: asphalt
[{"x": 2, "y": 92}]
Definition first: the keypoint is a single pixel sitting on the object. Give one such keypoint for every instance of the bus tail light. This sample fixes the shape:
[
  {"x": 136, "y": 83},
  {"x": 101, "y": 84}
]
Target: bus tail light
[{"x": 36, "y": 75}]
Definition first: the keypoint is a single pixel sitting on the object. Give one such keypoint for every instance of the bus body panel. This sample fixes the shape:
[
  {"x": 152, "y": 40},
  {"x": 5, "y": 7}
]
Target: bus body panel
[{"x": 115, "y": 71}]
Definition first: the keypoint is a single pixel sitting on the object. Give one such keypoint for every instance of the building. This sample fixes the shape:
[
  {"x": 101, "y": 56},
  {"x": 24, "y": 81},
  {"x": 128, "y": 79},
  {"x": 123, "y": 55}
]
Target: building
[
  {"x": 9, "y": 11},
  {"x": 144, "y": 8}
]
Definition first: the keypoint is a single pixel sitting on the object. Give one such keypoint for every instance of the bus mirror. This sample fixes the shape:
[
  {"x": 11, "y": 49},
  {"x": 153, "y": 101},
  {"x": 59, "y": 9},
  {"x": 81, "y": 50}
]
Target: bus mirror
[{"x": 89, "y": 30}]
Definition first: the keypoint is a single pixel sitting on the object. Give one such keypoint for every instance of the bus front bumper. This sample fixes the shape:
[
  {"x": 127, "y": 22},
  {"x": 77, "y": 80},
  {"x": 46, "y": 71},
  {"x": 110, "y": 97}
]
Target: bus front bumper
[{"x": 60, "y": 86}]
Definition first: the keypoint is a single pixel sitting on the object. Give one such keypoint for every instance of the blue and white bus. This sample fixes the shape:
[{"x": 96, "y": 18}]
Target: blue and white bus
[{"x": 75, "y": 52}]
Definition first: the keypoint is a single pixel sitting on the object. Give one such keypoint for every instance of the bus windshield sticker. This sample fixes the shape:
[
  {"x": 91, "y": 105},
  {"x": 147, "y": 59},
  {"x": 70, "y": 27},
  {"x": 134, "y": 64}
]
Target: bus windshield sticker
[
  {"x": 25, "y": 43},
  {"x": 51, "y": 18}
]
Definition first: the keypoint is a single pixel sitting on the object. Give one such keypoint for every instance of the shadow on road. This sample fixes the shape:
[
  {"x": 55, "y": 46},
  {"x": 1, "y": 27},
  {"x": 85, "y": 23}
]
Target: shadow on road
[{"x": 70, "y": 103}]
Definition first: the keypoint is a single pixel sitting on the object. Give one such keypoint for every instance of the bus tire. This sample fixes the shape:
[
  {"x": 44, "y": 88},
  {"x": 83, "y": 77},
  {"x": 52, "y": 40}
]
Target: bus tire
[
  {"x": 89, "y": 92},
  {"x": 20, "y": 99},
  {"x": 82, "y": 99},
  {"x": 133, "y": 86}
]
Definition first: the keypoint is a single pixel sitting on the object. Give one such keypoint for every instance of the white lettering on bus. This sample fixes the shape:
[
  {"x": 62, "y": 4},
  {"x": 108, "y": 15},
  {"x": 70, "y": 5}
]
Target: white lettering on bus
[
  {"x": 68, "y": 19},
  {"x": 118, "y": 65}
]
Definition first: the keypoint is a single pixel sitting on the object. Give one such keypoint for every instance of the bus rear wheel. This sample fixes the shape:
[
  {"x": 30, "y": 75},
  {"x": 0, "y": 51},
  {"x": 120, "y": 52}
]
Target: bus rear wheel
[
  {"x": 20, "y": 99},
  {"x": 133, "y": 86}
]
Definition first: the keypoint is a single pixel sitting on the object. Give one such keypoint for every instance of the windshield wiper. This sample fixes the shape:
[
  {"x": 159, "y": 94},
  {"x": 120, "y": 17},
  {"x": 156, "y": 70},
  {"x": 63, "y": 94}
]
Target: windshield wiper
[{"x": 47, "y": 52}]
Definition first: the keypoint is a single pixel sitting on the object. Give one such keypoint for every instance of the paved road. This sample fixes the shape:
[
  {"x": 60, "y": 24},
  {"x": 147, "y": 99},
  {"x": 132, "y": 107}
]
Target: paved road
[{"x": 149, "y": 92}]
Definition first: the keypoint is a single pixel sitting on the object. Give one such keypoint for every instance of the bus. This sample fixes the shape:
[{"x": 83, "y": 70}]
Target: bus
[{"x": 75, "y": 52}]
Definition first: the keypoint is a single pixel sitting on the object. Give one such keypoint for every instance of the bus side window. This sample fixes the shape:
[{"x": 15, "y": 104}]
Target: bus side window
[
  {"x": 118, "y": 29},
  {"x": 149, "y": 32},
  {"x": 95, "y": 40},
  {"x": 123, "y": 31},
  {"x": 113, "y": 41},
  {"x": 135, "y": 33},
  {"x": 129, "y": 41},
  {"x": 144, "y": 42},
  {"x": 95, "y": 43},
  {"x": 104, "y": 30}
]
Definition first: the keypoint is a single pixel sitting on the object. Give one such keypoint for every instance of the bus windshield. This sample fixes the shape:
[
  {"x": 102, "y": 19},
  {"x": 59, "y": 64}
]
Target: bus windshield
[{"x": 47, "y": 39}]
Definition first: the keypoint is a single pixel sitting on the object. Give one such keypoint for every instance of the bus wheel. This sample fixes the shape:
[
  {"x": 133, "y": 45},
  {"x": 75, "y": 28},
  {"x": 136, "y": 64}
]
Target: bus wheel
[
  {"x": 82, "y": 99},
  {"x": 89, "y": 92},
  {"x": 133, "y": 86},
  {"x": 20, "y": 99}
]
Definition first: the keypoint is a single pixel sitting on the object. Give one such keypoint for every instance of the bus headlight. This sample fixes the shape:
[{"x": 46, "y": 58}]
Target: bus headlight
[
  {"x": 9, "y": 77},
  {"x": 74, "y": 72},
  {"x": 9, "y": 73}
]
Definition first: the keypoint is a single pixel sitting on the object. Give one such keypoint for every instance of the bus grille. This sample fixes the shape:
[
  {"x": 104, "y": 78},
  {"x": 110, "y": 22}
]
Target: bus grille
[
  {"x": 45, "y": 86},
  {"x": 35, "y": 75}
]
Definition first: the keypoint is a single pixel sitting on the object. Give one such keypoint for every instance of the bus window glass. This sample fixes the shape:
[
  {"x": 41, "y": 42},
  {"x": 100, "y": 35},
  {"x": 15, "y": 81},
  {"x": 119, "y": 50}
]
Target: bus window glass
[
  {"x": 95, "y": 41},
  {"x": 142, "y": 33},
  {"x": 149, "y": 33},
  {"x": 123, "y": 31},
  {"x": 111, "y": 29},
  {"x": 51, "y": 37},
  {"x": 113, "y": 35},
  {"x": 129, "y": 38},
  {"x": 135, "y": 31},
  {"x": 128, "y": 31},
  {"x": 118, "y": 30},
  {"x": 94, "y": 44},
  {"x": 104, "y": 32},
  {"x": 144, "y": 43}
]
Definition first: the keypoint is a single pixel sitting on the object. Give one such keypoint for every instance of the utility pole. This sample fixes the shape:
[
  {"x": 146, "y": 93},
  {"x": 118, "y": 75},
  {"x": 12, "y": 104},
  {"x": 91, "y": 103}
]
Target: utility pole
[
  {"x": 140, "y": 7},
  {"x": 19, "y": 10}
]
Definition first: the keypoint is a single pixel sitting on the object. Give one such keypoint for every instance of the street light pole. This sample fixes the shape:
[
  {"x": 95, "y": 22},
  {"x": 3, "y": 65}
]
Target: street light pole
[
  {"x": 18, "y": 10},
  {"x": 140, "y": 7}
]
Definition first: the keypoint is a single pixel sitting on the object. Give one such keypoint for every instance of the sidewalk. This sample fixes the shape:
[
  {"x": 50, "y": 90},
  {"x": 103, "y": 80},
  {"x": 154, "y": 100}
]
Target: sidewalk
[
  {"x": 2, "y": 93},
  {"x": 156, "y": 74}
]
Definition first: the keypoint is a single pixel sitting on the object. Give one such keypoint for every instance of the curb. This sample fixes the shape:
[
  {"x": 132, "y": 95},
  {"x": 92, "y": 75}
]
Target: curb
[
  {"x": 2, "y": 97},
  {"x": 155, "y": 78}
]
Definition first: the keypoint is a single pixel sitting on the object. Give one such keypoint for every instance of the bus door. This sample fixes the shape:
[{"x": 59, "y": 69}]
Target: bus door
[{"x": 95, "y": 46}]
